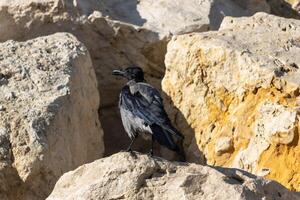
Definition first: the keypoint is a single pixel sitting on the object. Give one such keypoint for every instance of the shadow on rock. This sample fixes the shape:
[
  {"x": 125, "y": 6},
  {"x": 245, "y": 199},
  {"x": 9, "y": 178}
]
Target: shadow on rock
[
  {"x": 235, "y": 8},
  {"x": 283, "y": 9},
  {"x": 124, "y": 11}
]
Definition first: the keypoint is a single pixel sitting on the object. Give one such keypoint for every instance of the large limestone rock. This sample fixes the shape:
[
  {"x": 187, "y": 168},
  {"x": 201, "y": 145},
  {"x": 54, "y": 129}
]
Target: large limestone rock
[
  {"x": 48, "y": 114},
  {"x": 117, "y": 33},
  {"x": 236, "y": 95},
  {"x": 123, "y": 176}
]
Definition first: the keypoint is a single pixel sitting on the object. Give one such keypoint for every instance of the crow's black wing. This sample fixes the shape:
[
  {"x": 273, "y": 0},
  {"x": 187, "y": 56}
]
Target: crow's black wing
[{"x": 146, "y": 103}]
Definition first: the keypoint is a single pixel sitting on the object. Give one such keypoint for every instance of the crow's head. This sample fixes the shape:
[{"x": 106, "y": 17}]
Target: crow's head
[{"x": 131, "y": 73}]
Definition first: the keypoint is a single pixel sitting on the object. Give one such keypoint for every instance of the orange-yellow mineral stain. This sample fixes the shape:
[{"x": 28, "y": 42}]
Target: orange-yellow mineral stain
[
  {"x": 284, "y": 163},
  {"x": 283, "y": 160}
]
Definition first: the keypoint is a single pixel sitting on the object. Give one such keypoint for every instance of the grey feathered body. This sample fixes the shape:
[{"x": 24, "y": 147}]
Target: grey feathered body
[
  {"x": 134, "y": 125},
  {"x": 142, "y": 112}
]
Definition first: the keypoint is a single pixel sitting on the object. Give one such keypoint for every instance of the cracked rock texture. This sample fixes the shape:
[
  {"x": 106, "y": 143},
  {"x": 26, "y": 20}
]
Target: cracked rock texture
[
  {"x": 236, "y": 93},
  {"x": 123, "y": 176},
  {"x": 117, "y": 33},
  {"x": 48, "y": 120}
]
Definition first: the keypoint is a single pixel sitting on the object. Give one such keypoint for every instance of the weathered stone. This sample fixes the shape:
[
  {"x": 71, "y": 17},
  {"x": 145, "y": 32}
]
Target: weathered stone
[
  {"x": 116, "y": 33},
  {"x": 223, "y": 144},
  {"x": 169, "y": 17},
  {"x": 296, "y": 6},
  {"x": 241, "y": 82},
  {"x": 50, "y": 124},
  {"x": 123, "y": 176}
]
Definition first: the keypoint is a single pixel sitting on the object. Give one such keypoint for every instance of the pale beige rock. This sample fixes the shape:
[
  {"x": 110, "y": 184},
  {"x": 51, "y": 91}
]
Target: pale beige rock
[
  {"x": 241, "y": 82},
  {"x": 50, "y": 123},
  {"x": 123, "y": 176},
  {"x": 117, "y": 34},
  {"x": 223, "y": 144},
  {"x": 167, "y": 17},
  {"x": 296, "y": 6}
]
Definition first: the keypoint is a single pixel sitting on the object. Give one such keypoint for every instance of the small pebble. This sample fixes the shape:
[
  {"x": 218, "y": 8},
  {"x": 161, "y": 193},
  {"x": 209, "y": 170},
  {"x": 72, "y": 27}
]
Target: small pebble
[{"x": 10, "y": 96}]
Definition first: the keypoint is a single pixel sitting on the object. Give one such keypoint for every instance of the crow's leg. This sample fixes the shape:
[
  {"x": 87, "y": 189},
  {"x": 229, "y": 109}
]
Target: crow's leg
[
  {"x": 152, "y": 145},
  {"x": 131, "y": 143}
]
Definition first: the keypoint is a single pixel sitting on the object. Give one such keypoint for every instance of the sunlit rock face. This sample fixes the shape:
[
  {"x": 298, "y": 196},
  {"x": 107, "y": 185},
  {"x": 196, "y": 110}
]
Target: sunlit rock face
[
  {"x": 136, "y": 176},
  {"x": 236, "y": 95},
  {"x": 49, "y": 122}
]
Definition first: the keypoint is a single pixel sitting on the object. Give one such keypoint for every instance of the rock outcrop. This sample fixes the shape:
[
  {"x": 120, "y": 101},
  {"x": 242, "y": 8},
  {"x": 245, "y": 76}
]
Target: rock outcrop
[
  {"x": 48, "y": 114},
  {"x": 117, "y": 33},
  {"x": 237, "y": 91},
  {"x": 124, "y": 176}
]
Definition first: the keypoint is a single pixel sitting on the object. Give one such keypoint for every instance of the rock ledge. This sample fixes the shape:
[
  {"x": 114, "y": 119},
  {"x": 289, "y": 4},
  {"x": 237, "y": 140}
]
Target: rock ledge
[{"x": 124, "y": 176}]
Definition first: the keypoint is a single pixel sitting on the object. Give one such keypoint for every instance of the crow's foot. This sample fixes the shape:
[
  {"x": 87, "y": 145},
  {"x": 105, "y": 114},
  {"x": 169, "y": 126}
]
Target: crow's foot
[
  {"x": 129, "y": 150},
  {"x": 132, "y": 153},
  {"x": 150, "y": 153}
]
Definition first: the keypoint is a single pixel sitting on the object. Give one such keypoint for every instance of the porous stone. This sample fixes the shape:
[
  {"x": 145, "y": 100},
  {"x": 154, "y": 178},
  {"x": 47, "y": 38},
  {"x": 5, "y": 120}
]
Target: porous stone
[
  {"x": 223, "y": 144},
  {"x": 123, "y": 176},
  {"x": 50, "y": 124},
  {"x": 240, "y": 82}
]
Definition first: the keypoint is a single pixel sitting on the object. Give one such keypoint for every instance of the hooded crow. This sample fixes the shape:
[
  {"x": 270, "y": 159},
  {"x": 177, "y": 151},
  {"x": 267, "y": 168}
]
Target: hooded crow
[{"x": 142, "y": 112}]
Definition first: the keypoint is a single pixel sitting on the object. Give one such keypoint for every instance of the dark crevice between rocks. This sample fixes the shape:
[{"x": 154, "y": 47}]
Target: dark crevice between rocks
[
  {"x": 283, "y": 9},
  {"x": 234, "y": 180},
  {"x": 127, "y": 13},
  {"x": 219, "y": 10}
]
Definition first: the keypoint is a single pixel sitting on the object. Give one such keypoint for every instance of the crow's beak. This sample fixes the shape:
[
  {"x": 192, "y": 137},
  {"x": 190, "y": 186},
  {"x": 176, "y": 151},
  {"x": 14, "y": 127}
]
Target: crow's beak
[{"x": 117, "y": 72}]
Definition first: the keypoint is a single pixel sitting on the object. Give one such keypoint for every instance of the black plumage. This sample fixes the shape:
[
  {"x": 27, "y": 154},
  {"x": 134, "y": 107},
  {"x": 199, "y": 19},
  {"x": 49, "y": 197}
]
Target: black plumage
[{"x": 142, "y": 112}]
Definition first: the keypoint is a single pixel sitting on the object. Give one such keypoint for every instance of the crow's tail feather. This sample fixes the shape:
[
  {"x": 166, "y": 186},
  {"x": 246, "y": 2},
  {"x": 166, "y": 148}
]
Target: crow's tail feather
[
  {"x": 173, "y": 131},
  {"x": 164, "y": 137}
]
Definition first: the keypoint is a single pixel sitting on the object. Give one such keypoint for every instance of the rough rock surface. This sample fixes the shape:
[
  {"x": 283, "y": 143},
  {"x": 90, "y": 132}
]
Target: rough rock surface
[
  {"x": 240, "y": 83},
  {"x": 123, "y": 176},
  {"x": 117, "y": 33},
  {"x": 48, "y": 118}
]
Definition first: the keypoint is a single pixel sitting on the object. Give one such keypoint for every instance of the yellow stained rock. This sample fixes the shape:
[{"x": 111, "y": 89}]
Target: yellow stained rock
[{"x": 227, "y": 84}]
